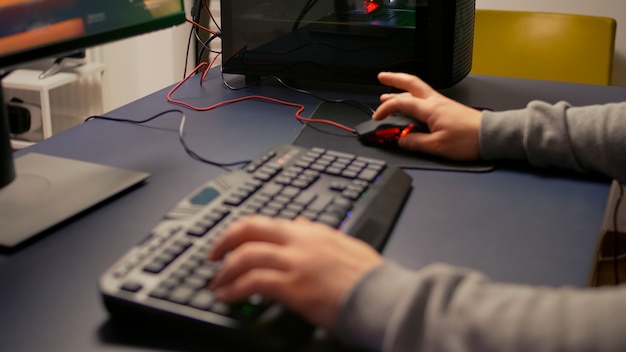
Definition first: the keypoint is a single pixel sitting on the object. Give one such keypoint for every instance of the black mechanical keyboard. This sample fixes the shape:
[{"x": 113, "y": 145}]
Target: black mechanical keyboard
[{"x": 163, "y": 280}]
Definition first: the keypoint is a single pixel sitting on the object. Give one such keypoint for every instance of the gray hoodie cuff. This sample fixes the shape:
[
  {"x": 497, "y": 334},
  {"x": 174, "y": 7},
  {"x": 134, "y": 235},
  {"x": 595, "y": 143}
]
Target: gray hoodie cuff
[
  {"x": 502, "y": 135},
  {"x": 367, "y": 310}
]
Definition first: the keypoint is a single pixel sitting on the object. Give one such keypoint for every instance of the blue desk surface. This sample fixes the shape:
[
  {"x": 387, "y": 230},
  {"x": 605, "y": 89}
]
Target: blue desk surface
[{"x": 516, "y": 225}]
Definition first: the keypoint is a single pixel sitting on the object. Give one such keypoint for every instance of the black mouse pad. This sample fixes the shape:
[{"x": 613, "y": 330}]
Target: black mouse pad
[{"x": 331, "y": 137}]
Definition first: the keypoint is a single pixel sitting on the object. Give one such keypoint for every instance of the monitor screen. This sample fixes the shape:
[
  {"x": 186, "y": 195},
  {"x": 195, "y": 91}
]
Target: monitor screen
[
  {"x": 35, "y": 29},
  {"x": 31, "y": 29}
]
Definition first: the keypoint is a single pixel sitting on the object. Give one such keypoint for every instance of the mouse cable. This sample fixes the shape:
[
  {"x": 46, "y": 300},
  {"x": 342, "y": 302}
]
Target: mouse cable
[
  {"x": 181, "y": 134},
  {"x": 248, "y": 97}
]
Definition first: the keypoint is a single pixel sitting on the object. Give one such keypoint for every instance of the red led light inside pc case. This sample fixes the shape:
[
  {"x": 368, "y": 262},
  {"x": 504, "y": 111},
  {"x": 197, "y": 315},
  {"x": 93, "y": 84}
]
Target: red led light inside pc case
[{"x": 369, "y": 6}]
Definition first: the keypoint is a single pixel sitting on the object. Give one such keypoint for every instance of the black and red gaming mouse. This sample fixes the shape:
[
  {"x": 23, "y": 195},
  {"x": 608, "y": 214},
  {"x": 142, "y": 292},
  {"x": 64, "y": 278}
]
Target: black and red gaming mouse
[{"x": 386, "y": 132}]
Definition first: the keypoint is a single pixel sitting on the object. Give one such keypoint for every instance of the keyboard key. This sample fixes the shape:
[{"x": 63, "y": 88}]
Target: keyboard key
[
  {"x": 370, "y": 161},
  {"x": 160, "y": 293},
  {"x": 194, "y": 282},
  {"x": 288, "y": 214},
  {"x": 271, "y": 212},
  {"x": 205, "y": 196},
  {"x": 339, "y": 185},
  {"x": 341, "y": 155},
  {"x": 199, "y": 229},
  {"x": 169, "y": 283},
  {"x": 181, "y": 294},
  {"x": 235, "y": 199},
  {"x": 206, "y": 272},
  {"x": 331, "y": 220},
  {"x": 349, "y": 173},
  {"x": 221, "y": 308},
  {"x": 333, "y": 170},
  {"x": 132, "y": 286},
  {"x": 368, "y": 174},
  {"x": 155, "y": 267},
  {"x": 320, "y": 203},
  {"x": 271, "y": 189},
  {"x": 290, "y": 192},
  {"x": 351, "y": 194},
  {"x": 204, "y": 299}
]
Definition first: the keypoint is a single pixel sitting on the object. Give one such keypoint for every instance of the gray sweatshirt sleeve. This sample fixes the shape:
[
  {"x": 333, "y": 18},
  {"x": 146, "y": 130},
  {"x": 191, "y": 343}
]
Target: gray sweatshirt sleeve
[
  {"x": 585, "y": 139},
  {"x": 443, "y": 308}
]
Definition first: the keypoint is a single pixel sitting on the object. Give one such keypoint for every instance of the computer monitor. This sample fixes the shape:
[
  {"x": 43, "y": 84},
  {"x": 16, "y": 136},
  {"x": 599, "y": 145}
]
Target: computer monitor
[
  {"x": 348, "y": 40},
  {"x": 35, "y": 29}
]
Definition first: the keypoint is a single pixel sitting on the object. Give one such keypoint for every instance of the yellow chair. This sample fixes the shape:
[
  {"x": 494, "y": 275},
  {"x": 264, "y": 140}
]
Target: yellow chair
[{"x": 546, "y": 46}]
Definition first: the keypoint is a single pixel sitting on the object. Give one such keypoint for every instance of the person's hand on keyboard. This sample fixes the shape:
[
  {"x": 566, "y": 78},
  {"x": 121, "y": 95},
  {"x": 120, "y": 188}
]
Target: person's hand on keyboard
[
  {"x": 306, "y": 266},
  {"x": 453, "y": 126}
]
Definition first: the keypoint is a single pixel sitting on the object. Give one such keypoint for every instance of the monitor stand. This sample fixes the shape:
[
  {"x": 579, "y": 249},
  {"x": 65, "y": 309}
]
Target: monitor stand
[{"x": 49, "y": 190}]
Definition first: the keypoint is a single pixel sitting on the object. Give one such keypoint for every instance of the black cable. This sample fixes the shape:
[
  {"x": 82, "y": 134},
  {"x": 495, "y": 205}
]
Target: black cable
[
  {"x": 217, "y": 25},
  {"x": 205, "y": 45},
  {"x": 197, "y": 157},
  {"x": 307, "y": 7},
  {"x": 616, "y": 234},
  {"x": 181, "y": 129},
  {"x": 196, "y": 9},
  {"x": 355, "y": 103},
  {"x": 134, "y": 122},
  {"x": 188, "y": 50}
]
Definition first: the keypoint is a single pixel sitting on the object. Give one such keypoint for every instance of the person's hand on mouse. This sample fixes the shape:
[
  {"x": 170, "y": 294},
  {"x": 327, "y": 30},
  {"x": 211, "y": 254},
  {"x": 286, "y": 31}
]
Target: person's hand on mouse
[
  {"x": 454, "y": 127},
  {"x": 289, "y": 262}
]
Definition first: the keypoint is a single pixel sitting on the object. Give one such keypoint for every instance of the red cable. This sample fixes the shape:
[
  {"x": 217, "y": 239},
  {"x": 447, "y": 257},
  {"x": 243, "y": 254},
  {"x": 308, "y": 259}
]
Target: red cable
[
  {"x": 249, "y": 97},
  {"x": 201, "y": 26}
]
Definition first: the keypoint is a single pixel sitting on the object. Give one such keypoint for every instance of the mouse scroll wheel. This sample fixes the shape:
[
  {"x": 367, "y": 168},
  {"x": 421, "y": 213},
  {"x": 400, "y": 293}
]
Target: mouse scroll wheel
[{"x": 406, "y": 131}]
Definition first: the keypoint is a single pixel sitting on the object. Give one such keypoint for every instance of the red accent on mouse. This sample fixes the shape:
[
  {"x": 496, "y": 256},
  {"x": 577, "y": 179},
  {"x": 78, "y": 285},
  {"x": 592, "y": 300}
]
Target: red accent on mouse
[{"x": 386, "y": 132}]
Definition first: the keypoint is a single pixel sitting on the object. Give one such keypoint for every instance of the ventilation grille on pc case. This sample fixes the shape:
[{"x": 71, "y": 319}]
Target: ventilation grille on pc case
[{"x": 463, "y": 39}]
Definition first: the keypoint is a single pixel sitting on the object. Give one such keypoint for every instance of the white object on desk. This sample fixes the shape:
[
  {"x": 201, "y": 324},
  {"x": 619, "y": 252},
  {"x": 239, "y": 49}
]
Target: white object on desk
[
  {"x": 28, "y": 80},
  {"x": 79, "y": 96}
]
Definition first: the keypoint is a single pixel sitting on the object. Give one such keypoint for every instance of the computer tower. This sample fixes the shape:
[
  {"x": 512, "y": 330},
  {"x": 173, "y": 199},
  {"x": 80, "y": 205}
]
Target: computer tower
[{"x": 348, "y": 40}]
